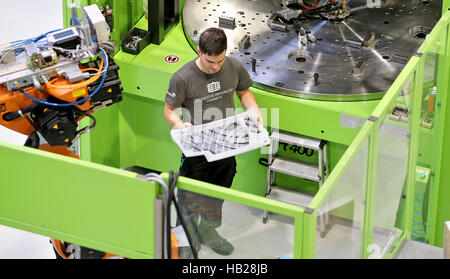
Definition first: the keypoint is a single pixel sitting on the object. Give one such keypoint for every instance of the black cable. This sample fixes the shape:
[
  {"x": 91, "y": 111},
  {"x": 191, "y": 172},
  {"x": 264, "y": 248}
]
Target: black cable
[
  {"x": 78, "y": 113},
  {"x": 94, "y": 121},
  {"x": 168, "y": 226},
  {"x": 318, "y": 10},
  {"x": 172, "y": 185}
]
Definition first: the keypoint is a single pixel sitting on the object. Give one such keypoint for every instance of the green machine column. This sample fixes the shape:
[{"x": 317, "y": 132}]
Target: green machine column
[{"x": 445, "y": 5}]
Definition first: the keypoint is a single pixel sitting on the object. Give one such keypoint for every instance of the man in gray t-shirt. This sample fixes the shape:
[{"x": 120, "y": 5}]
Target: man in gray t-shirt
[
  {"x": 205, "y": 97},
  {"x": 204, "y": 89}
]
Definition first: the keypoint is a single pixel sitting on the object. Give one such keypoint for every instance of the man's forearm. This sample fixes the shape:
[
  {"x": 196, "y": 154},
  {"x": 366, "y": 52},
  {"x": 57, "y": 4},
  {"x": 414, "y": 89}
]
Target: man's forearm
[
  {"x": 171, "y": 115},
  {"x": 249, "y": 103},
  {"x": 248, "y": 99}
]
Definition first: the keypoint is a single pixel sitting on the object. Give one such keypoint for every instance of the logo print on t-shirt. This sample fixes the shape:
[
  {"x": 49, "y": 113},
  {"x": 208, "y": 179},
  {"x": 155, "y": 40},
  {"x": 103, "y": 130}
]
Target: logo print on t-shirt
[{"x": 213, "y": 86}]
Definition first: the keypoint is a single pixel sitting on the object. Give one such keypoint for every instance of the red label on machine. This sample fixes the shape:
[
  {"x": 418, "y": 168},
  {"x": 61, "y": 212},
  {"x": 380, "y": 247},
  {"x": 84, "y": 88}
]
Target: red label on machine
[{"x": 172, "y": 59}]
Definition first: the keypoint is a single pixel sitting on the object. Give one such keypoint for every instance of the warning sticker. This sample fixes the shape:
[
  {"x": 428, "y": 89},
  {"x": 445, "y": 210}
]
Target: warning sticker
[
  {"x": 172, "y": 59},
  {"x": 78, "y": 92}
]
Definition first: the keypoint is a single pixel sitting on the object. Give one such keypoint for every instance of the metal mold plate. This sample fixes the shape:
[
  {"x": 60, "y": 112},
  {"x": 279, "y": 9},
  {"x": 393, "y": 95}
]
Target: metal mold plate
[{"x": 345, "y": 71}]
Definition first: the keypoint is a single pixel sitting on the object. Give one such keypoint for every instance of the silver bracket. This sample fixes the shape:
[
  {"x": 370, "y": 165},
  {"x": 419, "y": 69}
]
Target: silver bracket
[{"x": 372, "y": 118}]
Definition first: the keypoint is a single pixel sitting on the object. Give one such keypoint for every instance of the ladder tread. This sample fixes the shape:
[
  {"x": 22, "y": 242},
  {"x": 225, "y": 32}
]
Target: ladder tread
[
  {"x": 289, "y": 196},
  {"x": 295, "y": 168},
  {"x": 304, "y": 141}
]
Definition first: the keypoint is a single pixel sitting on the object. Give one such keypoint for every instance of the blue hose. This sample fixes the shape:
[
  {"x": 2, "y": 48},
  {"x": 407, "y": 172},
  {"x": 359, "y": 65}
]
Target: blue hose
[
  {"x": 418, "y": 230},
  {"x": 77, "y": 102},
  {"x": 35, "y": 39},
  {"x": 76, "y": 19}
]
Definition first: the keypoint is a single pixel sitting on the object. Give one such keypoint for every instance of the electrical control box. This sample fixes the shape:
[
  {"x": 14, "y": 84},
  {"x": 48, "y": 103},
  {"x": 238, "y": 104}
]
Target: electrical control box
[{"x": 97, "y": 22}]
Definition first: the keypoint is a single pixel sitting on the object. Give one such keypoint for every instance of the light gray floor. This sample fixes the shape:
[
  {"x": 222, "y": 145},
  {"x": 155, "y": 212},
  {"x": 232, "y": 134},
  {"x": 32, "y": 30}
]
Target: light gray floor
[
  {"x": 24, "y": 19},
  {"x": 416, "y": 250},
  {"x": 343, "y": 239},
  {"x": 243, "y": 227},
  {"x": 18, "y": 244},
  {"x": 251, "y": 238}
]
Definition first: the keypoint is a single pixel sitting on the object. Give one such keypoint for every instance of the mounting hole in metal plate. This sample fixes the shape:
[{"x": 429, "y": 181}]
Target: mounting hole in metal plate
[
  {"x": 419, "y": 32},
  {"x": 300, "y": 56}
]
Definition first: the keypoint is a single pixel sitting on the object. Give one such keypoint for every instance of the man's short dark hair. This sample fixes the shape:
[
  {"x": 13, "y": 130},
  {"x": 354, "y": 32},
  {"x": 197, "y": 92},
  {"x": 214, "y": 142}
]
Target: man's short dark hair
[{"x": 213, "y": 41}]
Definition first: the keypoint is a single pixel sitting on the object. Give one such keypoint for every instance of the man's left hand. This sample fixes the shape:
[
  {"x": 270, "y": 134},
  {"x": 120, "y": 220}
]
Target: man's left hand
[{"x": 257, "y": 114}]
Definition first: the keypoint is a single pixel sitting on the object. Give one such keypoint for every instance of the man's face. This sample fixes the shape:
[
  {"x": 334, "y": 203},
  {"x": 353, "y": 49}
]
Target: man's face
[{"x": 212, "y": 63}]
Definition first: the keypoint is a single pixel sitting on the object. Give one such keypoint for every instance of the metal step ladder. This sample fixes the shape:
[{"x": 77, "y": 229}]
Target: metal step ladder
[{"x": 278, "y": 164}]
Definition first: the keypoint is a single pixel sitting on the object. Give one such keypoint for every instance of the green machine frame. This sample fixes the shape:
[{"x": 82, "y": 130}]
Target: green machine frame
[{"x": 94, "y": 202}]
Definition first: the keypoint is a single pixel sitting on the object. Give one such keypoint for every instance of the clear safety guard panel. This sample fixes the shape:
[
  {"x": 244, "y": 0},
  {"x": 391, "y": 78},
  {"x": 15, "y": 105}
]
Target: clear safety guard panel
[
  {"x": 241, "y": 226},
  {"x": 340, "y": 218},
  {"x": 393, "y": 152}
]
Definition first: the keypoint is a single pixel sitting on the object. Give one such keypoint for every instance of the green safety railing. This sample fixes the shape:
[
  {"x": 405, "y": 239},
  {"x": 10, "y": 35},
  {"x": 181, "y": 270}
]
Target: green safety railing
[{"x": 78, "y": 202}]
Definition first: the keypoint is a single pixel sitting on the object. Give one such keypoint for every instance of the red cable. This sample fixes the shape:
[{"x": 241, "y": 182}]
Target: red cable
[
  {"x": 312, "y": 7},
  {"x": 315, "y": 5}
]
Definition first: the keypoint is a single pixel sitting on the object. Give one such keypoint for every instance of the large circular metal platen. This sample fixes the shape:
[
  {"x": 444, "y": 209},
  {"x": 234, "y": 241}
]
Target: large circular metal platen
[{"x": 344, "y": 55}]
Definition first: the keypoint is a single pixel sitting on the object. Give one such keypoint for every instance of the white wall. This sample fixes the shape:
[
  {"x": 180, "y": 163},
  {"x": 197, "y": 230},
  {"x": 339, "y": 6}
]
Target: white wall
[
  {"x": 28, "y": 18},
  {"x": 23, "y": 19}
]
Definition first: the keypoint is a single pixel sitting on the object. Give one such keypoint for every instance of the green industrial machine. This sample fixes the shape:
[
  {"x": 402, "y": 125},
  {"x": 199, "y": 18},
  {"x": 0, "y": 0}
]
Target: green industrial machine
[{"x": 386, "y": 158}]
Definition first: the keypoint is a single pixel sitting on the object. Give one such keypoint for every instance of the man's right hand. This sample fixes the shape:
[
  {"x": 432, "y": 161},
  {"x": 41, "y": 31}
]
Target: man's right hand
[
  {"x": 181, "y": 125},
  {"x": 172, "y": 117}
]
